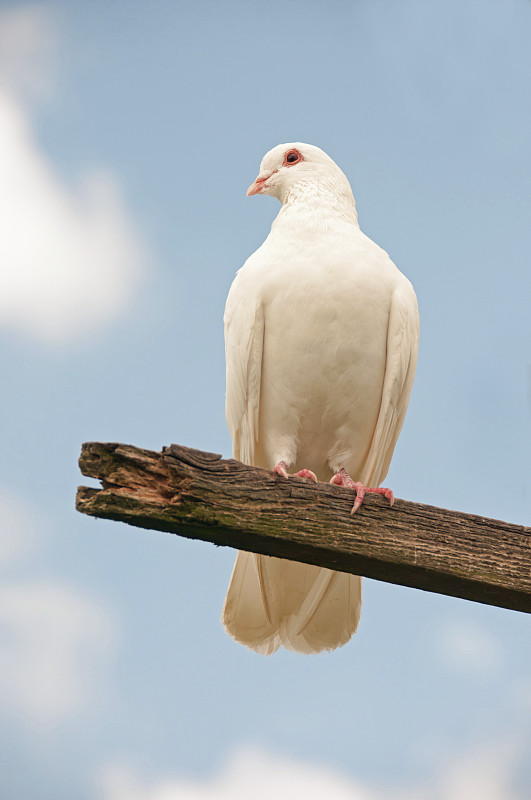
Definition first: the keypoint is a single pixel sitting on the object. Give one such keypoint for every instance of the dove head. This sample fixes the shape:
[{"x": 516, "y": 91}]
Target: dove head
[{"x": 302, "y": 172}]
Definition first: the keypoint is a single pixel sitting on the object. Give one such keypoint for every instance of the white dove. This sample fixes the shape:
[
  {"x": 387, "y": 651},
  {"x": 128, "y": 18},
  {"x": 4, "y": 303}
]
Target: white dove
[{"x": 321, "y": 338}]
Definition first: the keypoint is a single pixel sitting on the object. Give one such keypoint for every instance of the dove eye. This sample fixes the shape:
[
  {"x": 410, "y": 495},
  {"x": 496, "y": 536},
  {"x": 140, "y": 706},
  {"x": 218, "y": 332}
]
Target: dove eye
[{"x": 292, "y": 157}]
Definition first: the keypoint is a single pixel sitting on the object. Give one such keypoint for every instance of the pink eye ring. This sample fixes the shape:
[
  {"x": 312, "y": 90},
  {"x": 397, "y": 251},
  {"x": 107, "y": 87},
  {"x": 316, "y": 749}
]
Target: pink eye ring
[{"x": 292, "y": 157}]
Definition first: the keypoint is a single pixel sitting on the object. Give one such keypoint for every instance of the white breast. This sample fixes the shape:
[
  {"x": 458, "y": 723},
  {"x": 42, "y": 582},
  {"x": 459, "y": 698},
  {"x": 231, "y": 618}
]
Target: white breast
[{"x": 325, "y": 305}]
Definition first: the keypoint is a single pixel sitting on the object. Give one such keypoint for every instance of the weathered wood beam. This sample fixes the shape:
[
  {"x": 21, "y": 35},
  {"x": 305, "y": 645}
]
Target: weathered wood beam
[{"x": 201, "y": 496}]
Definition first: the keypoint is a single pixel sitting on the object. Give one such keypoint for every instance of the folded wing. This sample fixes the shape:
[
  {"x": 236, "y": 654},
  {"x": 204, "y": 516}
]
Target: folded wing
[{"x": 401, "y": 362}]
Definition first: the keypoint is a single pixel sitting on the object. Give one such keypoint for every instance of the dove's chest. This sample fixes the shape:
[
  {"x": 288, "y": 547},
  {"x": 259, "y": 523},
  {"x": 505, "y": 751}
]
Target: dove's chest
[
  {"x": 325, "y": 303},
  {"x": 325, "y": 307}
]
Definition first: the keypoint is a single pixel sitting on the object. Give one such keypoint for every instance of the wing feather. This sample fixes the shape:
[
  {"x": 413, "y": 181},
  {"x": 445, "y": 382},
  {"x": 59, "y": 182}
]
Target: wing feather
[
  {"x": 401, "y": 361},
  {"x": 244, "y": 343}
]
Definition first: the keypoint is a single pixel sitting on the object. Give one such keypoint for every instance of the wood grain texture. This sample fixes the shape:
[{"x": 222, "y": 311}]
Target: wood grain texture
[{"x": 202, "y": 496}]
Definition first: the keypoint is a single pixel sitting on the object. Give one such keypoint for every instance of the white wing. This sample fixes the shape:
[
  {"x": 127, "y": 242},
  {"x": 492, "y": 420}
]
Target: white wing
[
  {"x": 244, "y": 340},
  {"x": 401, "y": 361}
]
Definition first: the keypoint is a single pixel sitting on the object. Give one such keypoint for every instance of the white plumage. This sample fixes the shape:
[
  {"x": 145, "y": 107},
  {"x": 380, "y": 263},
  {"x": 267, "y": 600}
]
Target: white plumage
[{"x": 321, "y": 337}]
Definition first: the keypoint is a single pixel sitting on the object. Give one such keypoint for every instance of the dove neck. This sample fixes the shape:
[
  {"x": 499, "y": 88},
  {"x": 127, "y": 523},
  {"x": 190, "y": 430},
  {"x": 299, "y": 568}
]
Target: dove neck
[{"x": 319, "y": 204}]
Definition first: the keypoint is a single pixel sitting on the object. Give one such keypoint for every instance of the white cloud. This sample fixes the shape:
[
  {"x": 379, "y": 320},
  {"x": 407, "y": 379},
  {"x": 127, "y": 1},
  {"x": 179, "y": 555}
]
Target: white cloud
[
  {"x": 465, "y": 646},
  {"x": 54, "y": 643},
  {"x": 483, "y": 774},
  {"x": 70, "y": 259},
  {"x": 249, "y": 774}
]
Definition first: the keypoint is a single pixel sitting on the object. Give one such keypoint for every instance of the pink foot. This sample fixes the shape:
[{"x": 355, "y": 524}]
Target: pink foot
[
  {"x": 342, "y": 478},
  {"x": 282, "y": 469}
]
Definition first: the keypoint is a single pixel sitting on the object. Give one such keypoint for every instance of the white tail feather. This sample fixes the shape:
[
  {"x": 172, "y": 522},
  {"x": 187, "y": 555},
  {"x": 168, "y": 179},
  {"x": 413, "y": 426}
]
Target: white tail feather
[{"x": 272, "y": 602}]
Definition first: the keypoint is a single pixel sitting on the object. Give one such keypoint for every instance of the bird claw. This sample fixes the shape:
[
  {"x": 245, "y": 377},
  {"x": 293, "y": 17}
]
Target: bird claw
[
  {"x": 282, "y": 469},
  {"x": 342, "y": 478},
  {"x": 307, "y": 473}
]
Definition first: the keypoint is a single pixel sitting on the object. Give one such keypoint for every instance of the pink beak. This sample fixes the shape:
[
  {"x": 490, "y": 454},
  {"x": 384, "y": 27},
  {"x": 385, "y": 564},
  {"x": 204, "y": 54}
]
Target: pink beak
[{"x": 258, "y": 185}]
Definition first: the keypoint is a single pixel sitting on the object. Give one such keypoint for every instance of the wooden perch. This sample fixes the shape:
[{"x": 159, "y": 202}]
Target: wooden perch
[{"x": 201, "y": 496}]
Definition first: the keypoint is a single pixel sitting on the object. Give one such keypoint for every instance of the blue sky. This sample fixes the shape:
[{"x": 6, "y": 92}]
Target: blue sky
[{"x": 130, "y": 133}]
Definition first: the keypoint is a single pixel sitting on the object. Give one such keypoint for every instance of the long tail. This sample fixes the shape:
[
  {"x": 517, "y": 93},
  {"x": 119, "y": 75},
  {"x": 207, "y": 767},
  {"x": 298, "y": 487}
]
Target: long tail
[{"x": 272, "y": 601}]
